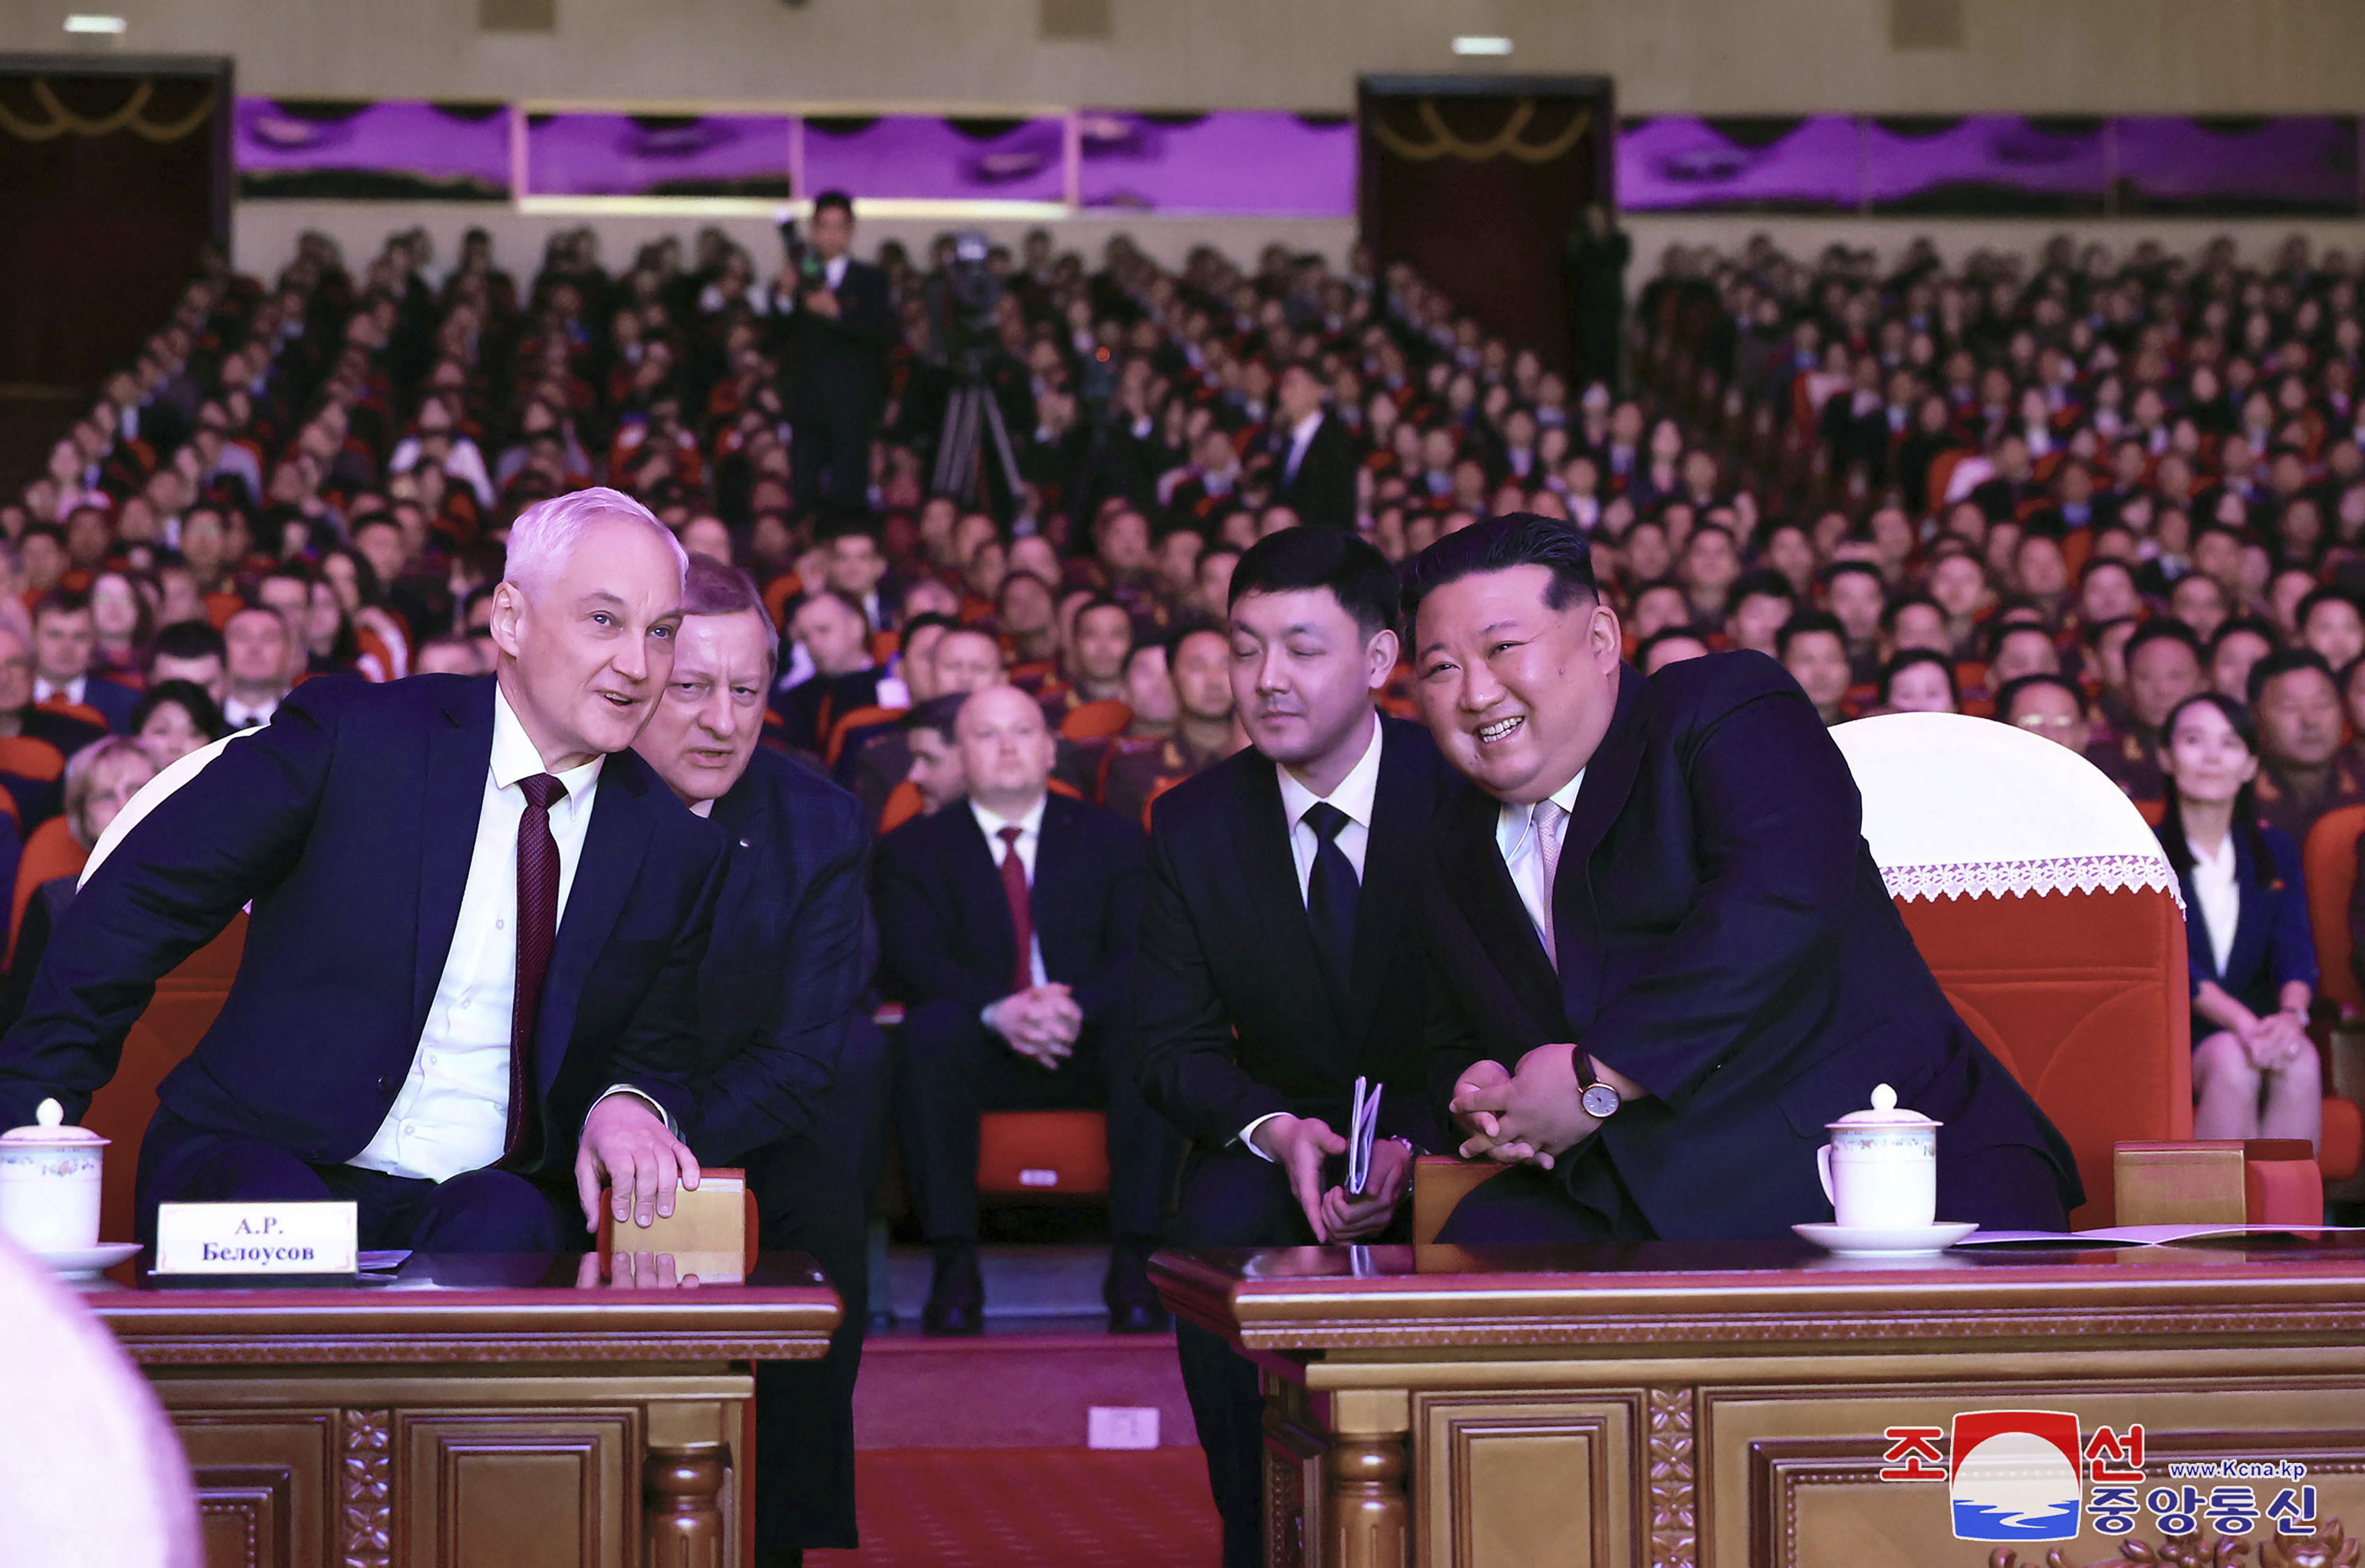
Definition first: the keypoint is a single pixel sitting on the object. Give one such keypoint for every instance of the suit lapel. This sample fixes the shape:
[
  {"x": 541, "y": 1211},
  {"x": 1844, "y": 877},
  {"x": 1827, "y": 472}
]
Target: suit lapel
[
  {"x": 977, "y": 878},
  {"x": 1400, "y": 807},
  {"x": 2250, "y": 926},
  {"x": 1609, "y": 779},
  {"x": 1491, "y": 903},
  {"x": 1260, "y": 830},
  {"x": 459, "y": 758},
  {"x": 612, "y": 847}
]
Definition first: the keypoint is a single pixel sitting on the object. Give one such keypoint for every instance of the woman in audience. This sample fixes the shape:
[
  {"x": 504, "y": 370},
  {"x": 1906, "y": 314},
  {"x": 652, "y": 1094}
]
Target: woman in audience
[
  {"x": 119, "y": 611},
  {"x": 1920, "y": 681},
  {"x": 100, "y": 781},
  {"x": 176, "y": 718},
  {"x": 2254, "y": 1073}
]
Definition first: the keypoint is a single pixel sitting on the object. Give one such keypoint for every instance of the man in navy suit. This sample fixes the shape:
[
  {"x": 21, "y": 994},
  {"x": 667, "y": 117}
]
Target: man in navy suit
[
  {"x": 1665, "y": 957},
  {"x": 838, "y": 319},
  {"x": 65, "y": 638},
  {"x": 472, "y": 961},
  {"x": 1006, "y": 929},
  {"x": 1279, "y": 960},
  {"x": 791, "y": 1067}
]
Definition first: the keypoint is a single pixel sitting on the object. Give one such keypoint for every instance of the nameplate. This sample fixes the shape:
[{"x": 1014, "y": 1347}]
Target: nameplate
[{"x": 256, "y": 1238}]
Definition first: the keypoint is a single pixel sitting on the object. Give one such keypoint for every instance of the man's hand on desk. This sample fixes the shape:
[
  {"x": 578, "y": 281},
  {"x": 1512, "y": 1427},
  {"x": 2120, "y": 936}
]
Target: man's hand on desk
[
  {"x": 632, "y": 1270},
  {"x": 1348, "y": 1218},
  {"x": 626, "y": 1145},
  {"x": 1299, "y": 1144},
  {"x": 1532, "y": 1117}
]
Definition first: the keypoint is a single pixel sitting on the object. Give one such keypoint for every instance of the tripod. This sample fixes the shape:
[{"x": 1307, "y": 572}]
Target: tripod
[{"x": 971, "y": 416}]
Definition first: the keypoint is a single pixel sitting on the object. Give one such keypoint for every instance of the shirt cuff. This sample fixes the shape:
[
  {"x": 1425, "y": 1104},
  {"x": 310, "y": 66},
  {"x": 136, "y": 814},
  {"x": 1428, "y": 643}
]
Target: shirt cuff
[
  {"x": 662, "y": 1115},
  {"x": 1247, "y": 1136}
]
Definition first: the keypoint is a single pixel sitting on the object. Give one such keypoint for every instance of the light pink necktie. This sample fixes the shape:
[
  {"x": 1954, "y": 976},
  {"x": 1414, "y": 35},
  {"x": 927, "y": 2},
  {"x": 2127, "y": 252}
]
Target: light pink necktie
[{"x": 1547, "y": 819}]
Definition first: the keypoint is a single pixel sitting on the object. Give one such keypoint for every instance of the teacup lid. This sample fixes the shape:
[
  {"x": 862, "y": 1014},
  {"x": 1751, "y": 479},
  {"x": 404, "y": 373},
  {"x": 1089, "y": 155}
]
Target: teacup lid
[
  {"x": 1885, "y": 1112},
  {"x": 49, "y": 1128}
]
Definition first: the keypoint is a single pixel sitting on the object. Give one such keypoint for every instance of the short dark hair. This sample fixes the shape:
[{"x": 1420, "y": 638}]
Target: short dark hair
[
  {"x": 188, "y": 639},
  {"x": 1998, "y": 630},
  {"x": 1333, "y": 560},
  {"x": 1906, "y": 660},
  {"x": 1497, "y": 544},
  {"x": 60, "y": 601},
  {"x": 921, "y": 623},
  {"x": 1902, "y": 602},
  {"x": 2318, "y": 599},
  {"x": 188, "y": 697},
  {"x": 2163, "y": 628},
  {"x": 2019, "y": 684},
  {"x": 2237, "y": 625},
  {"x": 1763, "y": 583},
  {"x": 1804, "y": 624},
  {"x": 938, "y": 715},
  {"x": 2103, "y": 562},
  {"x": 1839, "y": 570},
  {"x": 834, "y": 198},
  {"x": 2283, "y": 662}
]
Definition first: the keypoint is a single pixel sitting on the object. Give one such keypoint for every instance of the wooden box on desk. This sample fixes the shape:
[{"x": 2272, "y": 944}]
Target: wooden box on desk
[
  {"x": 2217, "y": 1181},
  {"x": 711, "y": 1233}
]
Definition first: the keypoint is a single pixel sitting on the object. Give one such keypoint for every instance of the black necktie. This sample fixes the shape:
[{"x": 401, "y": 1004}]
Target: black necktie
[{"x": 1331, "y": 890}]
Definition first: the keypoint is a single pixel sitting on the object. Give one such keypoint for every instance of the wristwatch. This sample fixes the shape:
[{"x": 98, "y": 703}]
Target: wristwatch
[{"x": 1599, "y": 1099}]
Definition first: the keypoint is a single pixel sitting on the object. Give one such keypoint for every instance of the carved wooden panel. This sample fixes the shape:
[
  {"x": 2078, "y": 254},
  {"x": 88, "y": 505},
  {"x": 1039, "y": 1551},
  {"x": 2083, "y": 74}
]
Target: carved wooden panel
[
  {"x": 519, "y": 1490},
  {"x": 262, "y": 1482},
  {"x": 1674, "y": 1481},
  {"x": 242, "y": 1515},
  {"x": 365, "y": 1490},
  {"x": 1527, "y": 1478},
  {"x": 1293, "y": 1447}
]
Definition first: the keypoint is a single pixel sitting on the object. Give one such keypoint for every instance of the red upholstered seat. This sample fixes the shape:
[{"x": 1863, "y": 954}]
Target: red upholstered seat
[
  {"x": 2081, "y": 995},
  {"x": 1095, "y": 720},
  {"x": 188, "y": 1001},
  {"x": 1060, "y": 1155},
  {"x": 50, "y": 852}
]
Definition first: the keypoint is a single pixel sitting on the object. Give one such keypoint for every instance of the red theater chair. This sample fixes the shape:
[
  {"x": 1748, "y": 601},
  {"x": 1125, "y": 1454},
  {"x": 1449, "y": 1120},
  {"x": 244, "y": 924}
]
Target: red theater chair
[{"x": 2329, "y": 863}]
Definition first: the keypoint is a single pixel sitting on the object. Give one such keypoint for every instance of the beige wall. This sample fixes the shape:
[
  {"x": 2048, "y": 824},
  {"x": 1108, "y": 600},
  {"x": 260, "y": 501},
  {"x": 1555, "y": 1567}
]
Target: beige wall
[{"x": 1727, "y": 56}]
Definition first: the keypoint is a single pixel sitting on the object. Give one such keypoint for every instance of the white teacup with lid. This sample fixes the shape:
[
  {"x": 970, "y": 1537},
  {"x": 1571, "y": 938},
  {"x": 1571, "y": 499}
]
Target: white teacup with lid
[
  {"x": 49, "y": 1184},
  {"x": 1880, "y": 1169}
]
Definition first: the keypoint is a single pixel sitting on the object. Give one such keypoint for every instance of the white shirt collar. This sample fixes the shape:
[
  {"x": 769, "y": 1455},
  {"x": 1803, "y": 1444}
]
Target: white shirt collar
[
  {"x": 515, "y": 758},
  {"x": 1303, "y": 430},
  {"x": 991, "y": 824},
  {"x": 1515, "y": 822},
  {"x": 1354, "y": 794}
]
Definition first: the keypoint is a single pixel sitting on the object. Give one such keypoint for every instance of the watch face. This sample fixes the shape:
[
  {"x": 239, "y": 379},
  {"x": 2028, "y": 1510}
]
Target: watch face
[{"x": 1600, "y": 1100}]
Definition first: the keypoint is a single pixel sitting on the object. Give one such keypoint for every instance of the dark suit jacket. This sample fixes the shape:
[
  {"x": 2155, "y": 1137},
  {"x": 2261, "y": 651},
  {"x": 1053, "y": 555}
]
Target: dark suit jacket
[
  {"x": 2272, "y": 942},
  {"x": 1234, "y": 1017},
  {"x": 945, "y": 933},
  {"x": 110, "y": 700},
  {"x": 349, "y": 821},
  {"x": 1322, "y": 493},
  {"x": 793, "y": 948},
  {"x": 1725, "y": 941},
  {"x": 841, "y": 363}
]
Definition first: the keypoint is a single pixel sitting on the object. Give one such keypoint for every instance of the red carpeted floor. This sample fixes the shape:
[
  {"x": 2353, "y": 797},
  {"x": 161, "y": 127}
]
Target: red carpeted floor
[{"x": 1031, "y": 1508}]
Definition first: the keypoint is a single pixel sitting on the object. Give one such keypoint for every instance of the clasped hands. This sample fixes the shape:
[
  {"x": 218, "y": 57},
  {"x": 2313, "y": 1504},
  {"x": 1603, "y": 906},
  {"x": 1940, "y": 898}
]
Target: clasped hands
[
  {"x": 1528, "y": 1117},
  {"x": 1041, "y": 1022},
  {"x": 2273, "y": 1039},
  {"x": 1300, "y": 1144}
]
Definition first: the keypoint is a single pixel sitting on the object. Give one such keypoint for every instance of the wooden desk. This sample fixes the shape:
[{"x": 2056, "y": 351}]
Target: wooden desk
[
  {"x": 1683, "y": 1404},
  {"x": 511, "y": 1411}
]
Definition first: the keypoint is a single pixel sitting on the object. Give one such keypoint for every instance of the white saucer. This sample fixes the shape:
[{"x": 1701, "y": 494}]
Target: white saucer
[
  {"x": 82, "y": 1262},
  {"x": 1870, "y": 1241}
]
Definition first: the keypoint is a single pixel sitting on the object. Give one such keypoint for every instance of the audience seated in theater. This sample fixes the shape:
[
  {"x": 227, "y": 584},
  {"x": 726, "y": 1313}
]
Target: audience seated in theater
[
  {"x": 875, "y": 758},
  {"x": 173, "y": 718},
  {"x": 2235, "y": 650},
  {"x": 2254, "y": 1073},
  {"x": 259, "y": 666},
  {"x": 195, "y": 652},
  {"x": 1812, "y": 646},
  {"x": 931, "y": 735},
  {"x": 2047, "y": 705},
  {"x": 99, "y": 781},
  {"x": 1762, "y": 601},
  {"x": 1007, "y": 931},
  {"x": 2304, "y": 770},
  {"x": 777, "y": 1089},
  {"x": 65, "y": 640},
  {"x": 1669, "y": 647},
  {"x": 831, "y": 630},
  {"x": 1205, "y": 731}
]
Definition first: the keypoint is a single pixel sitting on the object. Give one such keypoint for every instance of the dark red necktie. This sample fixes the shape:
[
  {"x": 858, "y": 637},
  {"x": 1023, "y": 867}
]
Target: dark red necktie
[
  {"x": 1022, "y": 914},
  {"x": 537, "y": 933}
]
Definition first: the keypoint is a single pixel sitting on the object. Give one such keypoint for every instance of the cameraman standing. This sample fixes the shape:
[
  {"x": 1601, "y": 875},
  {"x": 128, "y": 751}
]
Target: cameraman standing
[{"x": 840, "y": 323}]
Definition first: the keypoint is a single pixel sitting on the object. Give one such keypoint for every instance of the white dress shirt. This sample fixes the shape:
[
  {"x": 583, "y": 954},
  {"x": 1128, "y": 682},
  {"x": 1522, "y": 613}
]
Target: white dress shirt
[
  {"x": 1515, "y": 835},
  {"x": 1353, "y": 796},
  {"x": 1300, "y": 438},
  {"x": 1030, "y": 838},
  {"x": 452, "y": 1113},
  {"x": 72, "y": 692},
  {"x": 833, "y": 272},
  {"x": 242, "y": 715},
  {"x": 2218, "y": 890}
]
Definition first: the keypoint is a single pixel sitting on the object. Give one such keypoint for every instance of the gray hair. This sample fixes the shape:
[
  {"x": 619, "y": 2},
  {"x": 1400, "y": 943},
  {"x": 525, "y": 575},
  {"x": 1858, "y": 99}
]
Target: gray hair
[{"x": 545, "y": 534}]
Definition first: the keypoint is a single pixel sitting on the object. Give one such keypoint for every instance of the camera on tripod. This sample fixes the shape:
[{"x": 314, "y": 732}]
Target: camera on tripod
[
  {"x": 967, "y": 340},
  {"x": 810, "y": 270},
  {"x": 966, "y": 332}
]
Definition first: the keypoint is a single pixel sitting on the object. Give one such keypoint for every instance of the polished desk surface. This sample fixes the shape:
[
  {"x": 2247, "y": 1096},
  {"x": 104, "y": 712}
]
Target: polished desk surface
[
  {"x": 511, "y": 1308},
  {"x": 1666, "y": 1294}
]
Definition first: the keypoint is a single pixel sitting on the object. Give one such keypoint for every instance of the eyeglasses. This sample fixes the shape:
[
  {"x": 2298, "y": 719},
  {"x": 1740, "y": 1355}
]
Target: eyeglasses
[{"x": 2040, "y": 721}]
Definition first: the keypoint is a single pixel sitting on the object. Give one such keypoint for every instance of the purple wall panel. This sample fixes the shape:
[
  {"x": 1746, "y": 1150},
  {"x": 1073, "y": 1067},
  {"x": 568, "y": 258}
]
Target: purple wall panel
[
  {"x": 297, "y": 147},
  {"x": 2304, "y": 163},
  {"x": 1235, "y": 161},
  {"x": 594, "y": 154},
  {"x": 1985, "y": 164},
  {"x": 918, "y": 157},
  {"x": 1680, "y": 160}
]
